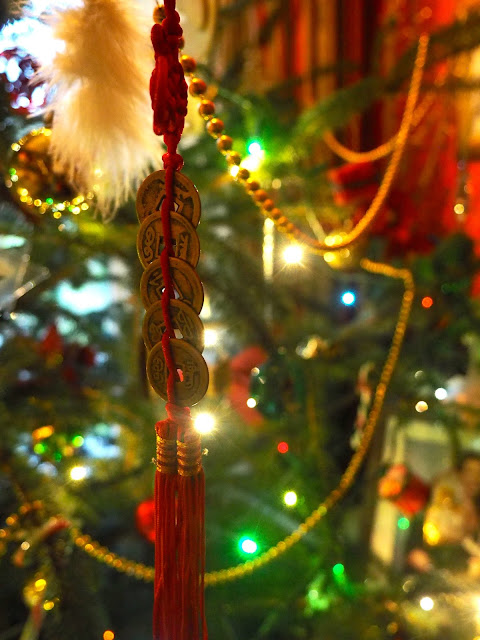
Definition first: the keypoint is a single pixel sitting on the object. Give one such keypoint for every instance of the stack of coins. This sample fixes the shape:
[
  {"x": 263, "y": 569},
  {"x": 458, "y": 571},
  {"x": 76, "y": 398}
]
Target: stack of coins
[{"x": 187, "y": 346}]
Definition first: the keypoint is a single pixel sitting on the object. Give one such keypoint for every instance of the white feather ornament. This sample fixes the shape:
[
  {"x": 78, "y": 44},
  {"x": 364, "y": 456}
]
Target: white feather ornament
[{"x": 102, "y": 134}]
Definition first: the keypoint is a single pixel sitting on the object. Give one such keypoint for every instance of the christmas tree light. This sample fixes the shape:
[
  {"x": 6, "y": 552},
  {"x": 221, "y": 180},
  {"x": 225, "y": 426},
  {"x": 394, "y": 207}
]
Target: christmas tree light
[
  {"x": 78, "y": 473},
  {"x": 290, "y": 498},
  {"x": 293, "y": 254},
  {"x": 426, "y": 603},
  {"x": 348, "y": 298},
  {"x": 247, "y": 545},
  {"x": 441, "y": 393},
  {"x": 204, "y": 422}
]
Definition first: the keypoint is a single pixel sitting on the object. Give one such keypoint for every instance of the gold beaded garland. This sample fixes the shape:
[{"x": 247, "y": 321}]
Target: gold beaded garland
[
  {"x": 224, "y": 143},
  {"x": 311, "y": 243},
  {"x": 197, "y": 87},
  {"x": 233, "y": 158},
  {"x": 188, "y": 63},
  {"x": 206, "y": 109},
  {"x": 252, "y": 185},
  {"x": 243, "y": 174},
  {"x": 215, "y": 127}
]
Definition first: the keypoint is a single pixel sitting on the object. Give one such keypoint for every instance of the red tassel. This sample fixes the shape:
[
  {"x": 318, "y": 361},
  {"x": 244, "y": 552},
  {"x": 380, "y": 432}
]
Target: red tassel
[
  {"x": 165, "y": 533},
  {"x": 191, "y": 536},
  {"x": 179, "y": 610}
]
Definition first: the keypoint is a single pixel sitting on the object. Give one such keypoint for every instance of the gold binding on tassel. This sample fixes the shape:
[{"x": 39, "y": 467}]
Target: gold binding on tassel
[
  {"x": 189, "y": 455},
  {"x": 166, "y": 460}
]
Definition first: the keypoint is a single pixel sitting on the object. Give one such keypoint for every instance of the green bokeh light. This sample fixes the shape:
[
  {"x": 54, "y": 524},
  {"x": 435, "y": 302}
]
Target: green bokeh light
[
  {"x": 254, "y": 148},
  {"x": 247, "y": 545},
  {"x": 403, "y": 523},
  {"x": 338, "y": 570},
  {"x": 77, "y": 441}
]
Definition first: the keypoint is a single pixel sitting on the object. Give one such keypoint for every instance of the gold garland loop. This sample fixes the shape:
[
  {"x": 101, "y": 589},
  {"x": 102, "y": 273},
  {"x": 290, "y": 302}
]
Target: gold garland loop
[
  {"x": 143, "y": 572},
  {"x": 215, "y": 127}
]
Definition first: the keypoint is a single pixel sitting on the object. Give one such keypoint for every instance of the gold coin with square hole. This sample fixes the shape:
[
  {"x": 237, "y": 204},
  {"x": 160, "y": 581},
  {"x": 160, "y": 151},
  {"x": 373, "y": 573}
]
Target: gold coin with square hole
[
  {"x": 186, "y": 284},
  {"x": 151, "y": 193},
  {"x": 184, "y": 320},
  {"x": 150, "y": 239},
  {"x": 192, "y": 368}
]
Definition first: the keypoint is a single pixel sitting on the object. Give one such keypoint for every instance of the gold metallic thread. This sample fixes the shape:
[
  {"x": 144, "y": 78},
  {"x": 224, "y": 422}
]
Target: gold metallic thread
[
  {"x": 166, "y": 459},
  {"x": 189, "y": 456}
]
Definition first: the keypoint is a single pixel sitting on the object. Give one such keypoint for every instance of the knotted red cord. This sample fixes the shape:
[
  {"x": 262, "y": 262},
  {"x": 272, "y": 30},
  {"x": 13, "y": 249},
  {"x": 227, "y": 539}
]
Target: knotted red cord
[{"x": 179, "y": 497}]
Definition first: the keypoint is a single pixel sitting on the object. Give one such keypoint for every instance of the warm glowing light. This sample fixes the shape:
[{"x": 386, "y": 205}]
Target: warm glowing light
[
  {"x": 348, "y": 298},
  {"x": 42, "y": 432},
  {"x": 459, "y": 208},
  {"x": 204, "y": 422},
  {"x": 421, "y": 406},
  {"x": 427, "y": 603},
  {"x": 48, "y": 605},
  {"x": 210, "y": 337},
  {"x": 108, "y": 635},
  {"x": 282, "y": 447},
  {"x": 247, "y": 545},
  {"x": 252, "y": 163},
  {"x": 40, "y": 584},
  {"x": 329, "y": 257},
  {"x": 431, "y": 534},
  {"x": 441, "y": 393},
  {"x": 293, "y": 254},
  {"x": 78, "y": 473},
  {"x": 290, "y": 498},
  {"x": 251, "y": 403},
  {"x": 427, "y": 302},
  {"x": 234, "y": 169}
]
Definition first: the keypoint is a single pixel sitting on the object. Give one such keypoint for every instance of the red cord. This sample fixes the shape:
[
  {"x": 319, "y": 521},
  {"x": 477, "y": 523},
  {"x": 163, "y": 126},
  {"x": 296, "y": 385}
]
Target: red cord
[
  {"x": 168, "y": 91},
  {"x": 179, "y": 612}
]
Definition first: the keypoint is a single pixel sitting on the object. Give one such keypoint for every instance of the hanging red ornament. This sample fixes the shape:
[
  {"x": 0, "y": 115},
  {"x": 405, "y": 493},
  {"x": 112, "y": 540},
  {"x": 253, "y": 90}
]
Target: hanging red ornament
[
  {"x": 168, "y": 249},
  {"x": 354, "y": 183},
  {"x": 145, "y": 519},
  {"x": 405, "y": 490}
]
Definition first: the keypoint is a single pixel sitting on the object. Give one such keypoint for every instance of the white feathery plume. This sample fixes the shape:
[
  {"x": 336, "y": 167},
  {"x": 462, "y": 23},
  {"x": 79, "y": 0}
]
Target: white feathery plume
[{"x": 102, "y": 136}]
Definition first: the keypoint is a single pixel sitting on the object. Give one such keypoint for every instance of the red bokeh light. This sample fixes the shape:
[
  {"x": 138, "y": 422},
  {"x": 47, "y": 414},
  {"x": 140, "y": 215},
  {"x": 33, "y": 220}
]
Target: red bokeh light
[
  {"x": 427, "y": 302},
  {"x": 282, "y": 447}
]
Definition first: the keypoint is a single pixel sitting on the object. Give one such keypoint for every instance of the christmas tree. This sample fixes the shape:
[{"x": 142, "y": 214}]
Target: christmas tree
[{"x": 336, "y": 399}]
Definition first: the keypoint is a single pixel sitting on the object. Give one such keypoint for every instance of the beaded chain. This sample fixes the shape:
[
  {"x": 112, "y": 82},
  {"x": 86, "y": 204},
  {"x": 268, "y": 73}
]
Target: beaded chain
[{"x": 215, "y": 128}]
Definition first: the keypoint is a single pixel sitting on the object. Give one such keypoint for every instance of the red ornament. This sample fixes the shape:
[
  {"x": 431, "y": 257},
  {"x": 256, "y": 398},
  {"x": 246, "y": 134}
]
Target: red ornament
[
  {"x": 405, "y": 490},
  {"x": 354, "y": 183},
  {"x": 145, "y": 519}
]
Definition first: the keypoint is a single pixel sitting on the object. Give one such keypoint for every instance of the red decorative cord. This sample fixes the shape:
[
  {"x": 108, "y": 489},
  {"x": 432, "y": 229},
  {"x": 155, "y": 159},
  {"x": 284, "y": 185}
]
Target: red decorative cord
[
  {"x": 179, "y": 612},
  {"x": 168, "y": 91}
]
